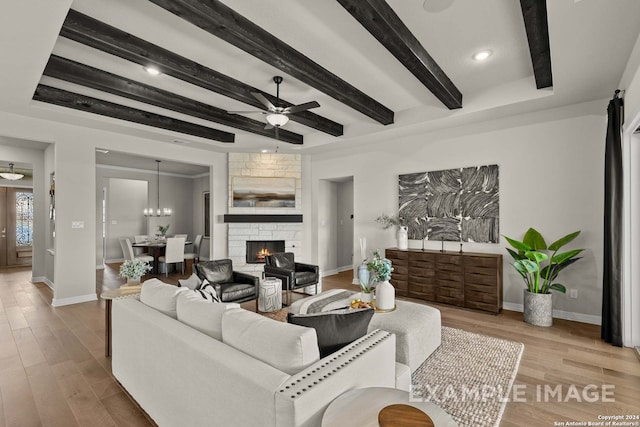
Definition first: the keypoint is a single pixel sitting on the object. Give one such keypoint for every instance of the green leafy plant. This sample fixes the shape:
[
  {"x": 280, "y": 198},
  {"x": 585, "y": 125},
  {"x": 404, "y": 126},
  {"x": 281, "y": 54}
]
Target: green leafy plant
[
  {"x": 388, "y": 221},
  {"x": 133, "y": 269},
  {"x": 162, "y": 229},
  {"x": 379, "y": 267},
  {"x": 539, "y": 264}
]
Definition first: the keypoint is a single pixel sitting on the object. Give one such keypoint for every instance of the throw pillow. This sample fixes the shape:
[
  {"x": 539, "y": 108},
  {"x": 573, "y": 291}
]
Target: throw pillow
[
  {"x": 208, "y": 292},
  {"x": 193, "y": 282},
  {"x": 201, "y": 314},
  {"x": 161, "y": 296},
  {"x": 335, "y": 329}
]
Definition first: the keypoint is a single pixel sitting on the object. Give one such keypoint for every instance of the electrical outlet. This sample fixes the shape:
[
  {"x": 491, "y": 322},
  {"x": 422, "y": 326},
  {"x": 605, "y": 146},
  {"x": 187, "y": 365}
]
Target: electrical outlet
[{"x": 573, "y": 293}]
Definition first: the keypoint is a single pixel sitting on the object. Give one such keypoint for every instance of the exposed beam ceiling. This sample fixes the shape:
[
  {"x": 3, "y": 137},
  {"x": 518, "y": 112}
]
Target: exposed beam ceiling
[
  {"x": 223, "y": 22},
  {"x": 385, "y": 25},
  {"x": 534, "y": 13},
  {"x": 76, "y": 101},
  {"x": 84, "y": 75},
  {"x": 91, "y": 32}
]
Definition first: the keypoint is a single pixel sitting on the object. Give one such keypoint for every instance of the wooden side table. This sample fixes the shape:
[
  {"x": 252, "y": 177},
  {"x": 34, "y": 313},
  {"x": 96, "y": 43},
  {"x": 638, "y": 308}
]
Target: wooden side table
[
  {"x": 108, "y": 296},
  {"x": 360, "y": 407}
]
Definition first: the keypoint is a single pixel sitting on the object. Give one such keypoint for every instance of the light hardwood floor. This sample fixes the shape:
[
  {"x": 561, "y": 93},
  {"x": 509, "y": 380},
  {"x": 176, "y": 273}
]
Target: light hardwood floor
[{"x": 53, "y": 371}]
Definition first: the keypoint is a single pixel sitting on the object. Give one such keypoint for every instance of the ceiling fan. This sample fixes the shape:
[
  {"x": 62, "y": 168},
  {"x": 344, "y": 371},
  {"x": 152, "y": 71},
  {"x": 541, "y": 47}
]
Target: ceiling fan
[{"x": 277, "y": 116}]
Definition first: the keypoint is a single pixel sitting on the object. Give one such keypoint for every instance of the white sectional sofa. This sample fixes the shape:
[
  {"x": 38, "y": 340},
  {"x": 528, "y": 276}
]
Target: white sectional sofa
[{"x": 181, "y": 376}]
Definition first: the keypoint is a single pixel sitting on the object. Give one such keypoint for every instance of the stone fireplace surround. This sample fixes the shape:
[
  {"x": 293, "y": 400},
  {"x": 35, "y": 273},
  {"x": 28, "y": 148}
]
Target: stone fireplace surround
[{"x": 239, "y": 233}]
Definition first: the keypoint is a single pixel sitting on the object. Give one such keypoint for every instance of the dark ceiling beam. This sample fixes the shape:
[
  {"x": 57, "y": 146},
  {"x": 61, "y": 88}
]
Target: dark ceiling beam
[
  {"x": 91, "y": 32},
  {"x": 377, "y": 17},
  {"x": 534, "y": 13},
  {"x": 76, "y": 101},
  {"x": 84, "y": 75},
  {"x": 224, "y": 23}
]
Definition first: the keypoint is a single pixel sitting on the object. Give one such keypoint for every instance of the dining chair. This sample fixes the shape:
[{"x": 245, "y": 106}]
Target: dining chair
[
  {"x": 195, "y": 255},
  {"x": 174, "y": 253},
  {"x": 140, "y": 238},
  {"x": 127, "y": 250}
]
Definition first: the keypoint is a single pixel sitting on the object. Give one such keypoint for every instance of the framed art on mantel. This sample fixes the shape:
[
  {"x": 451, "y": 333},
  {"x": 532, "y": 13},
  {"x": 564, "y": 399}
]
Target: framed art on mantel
[{"x": 256, "y": 192}]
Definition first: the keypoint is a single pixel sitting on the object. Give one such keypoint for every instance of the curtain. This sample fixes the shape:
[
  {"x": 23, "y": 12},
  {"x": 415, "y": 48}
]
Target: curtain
[{"x": 611, "y": 330}]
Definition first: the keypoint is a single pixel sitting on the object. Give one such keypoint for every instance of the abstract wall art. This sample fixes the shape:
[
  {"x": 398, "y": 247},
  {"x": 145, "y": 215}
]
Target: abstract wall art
[
  {"x": 264, "y": 192},
  {"x": 453, "y": 205}
]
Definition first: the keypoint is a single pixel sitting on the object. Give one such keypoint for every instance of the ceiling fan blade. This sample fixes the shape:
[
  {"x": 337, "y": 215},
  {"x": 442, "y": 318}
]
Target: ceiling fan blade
[
  {"x": 301, "y": 107},
  {"x": 260, "y": 97},
  {"x": 247, "y": 112}
]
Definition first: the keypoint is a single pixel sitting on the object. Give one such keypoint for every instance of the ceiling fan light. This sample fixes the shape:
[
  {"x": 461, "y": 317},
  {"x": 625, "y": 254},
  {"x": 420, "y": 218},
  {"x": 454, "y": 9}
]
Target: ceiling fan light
[
  {"x": 11, "y": 175},
  {"x": 277, "y": 120}
]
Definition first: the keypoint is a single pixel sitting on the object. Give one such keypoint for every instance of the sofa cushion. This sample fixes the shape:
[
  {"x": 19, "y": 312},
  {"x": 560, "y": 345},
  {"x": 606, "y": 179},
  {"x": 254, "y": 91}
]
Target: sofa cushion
[
  {"x": 202, "y": 314},
  {"x": 289, "y": 348},
  {"x": 235, "y": 291},
  {"x": 193, "y": 282},
  {"x": 161, "y": 296},
  {"x": 335, "y": 329},
  {"x": 219, "y": 271}
]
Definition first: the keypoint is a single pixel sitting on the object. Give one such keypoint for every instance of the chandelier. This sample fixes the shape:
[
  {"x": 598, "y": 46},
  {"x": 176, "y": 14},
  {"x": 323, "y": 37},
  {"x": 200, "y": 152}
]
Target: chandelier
[
  {"x": 157, "y": 211},
  {"x": 11, "y": 175}
]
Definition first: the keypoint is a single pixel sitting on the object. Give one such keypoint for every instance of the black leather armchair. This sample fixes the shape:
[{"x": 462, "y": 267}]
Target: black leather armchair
[
  {"x": 231, "y": 286},
  {"x": 293, "y": 274}
]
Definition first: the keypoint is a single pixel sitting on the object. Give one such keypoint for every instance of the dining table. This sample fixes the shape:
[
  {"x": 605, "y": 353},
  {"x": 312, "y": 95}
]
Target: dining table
[{"x": 156, "y": 249}]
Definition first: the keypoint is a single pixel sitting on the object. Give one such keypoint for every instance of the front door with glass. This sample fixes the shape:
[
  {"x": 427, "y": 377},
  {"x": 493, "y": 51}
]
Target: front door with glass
[{"x": 16, "y": 226}]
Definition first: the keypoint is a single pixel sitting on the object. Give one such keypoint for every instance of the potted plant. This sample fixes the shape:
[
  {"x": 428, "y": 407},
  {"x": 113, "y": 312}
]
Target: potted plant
[
  {"x": 162, "y": 231},
  {"x": 539, "y": 266},
  {"x": 388, "y": 221},
  {"x": 133, "y": 270}
]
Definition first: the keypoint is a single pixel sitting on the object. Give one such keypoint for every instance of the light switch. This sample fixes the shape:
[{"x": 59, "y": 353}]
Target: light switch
[{"x": 77, "y": 224}]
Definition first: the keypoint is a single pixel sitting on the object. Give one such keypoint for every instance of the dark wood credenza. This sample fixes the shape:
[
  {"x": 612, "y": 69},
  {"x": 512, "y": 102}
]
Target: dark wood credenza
[{"x": 467, "y": 279}]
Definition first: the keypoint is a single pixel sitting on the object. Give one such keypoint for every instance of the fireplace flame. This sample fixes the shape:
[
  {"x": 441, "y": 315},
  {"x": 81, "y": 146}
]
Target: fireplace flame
[{"x": 262, "y": 253}]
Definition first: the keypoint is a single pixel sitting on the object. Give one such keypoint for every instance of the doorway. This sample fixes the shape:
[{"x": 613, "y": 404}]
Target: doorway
[
  {"x": 16, "y": 226},
  {"x": 335, "y": 225}
]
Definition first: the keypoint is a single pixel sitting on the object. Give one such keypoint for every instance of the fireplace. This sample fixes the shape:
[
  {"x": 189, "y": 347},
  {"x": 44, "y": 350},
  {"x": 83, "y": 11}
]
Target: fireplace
[{"x": 258, "y": 249}]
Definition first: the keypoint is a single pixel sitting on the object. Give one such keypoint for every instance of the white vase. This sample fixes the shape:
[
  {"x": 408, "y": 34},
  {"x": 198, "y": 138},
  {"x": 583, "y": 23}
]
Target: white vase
[
  {"x": 403, "y": 238},
  {"x": 385, "y": 296},
  {"x": 366, "y": 296}
]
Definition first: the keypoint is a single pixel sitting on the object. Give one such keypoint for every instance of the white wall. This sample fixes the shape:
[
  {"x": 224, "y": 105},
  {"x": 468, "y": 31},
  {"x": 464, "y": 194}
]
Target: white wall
[
  {"x": 327, "y": 226},
  {"x": 75, "y": 260},
  {"x": 551, "y": 178},
  {"x": 126, "y": 199},
  {"x": 49, "y": 168},
  {"x": 200, "y": 186}
]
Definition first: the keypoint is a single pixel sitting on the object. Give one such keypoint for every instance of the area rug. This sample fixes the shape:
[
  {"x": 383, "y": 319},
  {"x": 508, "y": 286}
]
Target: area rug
[{"x": 469, "y": 376}]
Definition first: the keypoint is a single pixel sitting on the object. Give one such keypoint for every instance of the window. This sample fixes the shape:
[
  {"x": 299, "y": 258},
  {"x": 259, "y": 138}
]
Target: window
[{"x": 24, "y": 218}]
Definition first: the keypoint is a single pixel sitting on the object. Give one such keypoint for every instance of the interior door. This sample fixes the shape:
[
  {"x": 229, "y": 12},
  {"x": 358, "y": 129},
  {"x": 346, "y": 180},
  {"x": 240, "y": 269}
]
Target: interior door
[{"x": 16, "y": 226}]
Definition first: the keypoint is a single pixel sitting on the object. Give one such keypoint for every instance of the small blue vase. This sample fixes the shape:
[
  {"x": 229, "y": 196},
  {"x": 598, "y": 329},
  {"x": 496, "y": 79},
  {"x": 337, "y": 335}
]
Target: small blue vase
[{"x": 364, "y": 275}]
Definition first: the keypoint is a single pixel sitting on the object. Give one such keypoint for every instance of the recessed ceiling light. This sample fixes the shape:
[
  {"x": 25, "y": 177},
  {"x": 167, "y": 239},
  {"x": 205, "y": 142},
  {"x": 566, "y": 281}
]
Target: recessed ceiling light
[
  {"x": 265, "y": 151},
  {"x": 152, "y": 70},
  {"x": 102, "y": 150},
  {"x": 482, "y": 55}
]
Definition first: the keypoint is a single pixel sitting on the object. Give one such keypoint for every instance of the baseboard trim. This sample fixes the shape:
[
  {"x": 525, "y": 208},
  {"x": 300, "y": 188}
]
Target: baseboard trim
[
  {"x": 637, "y": 350},
  {"x": 345, "y": 268},
  {"x": 560, "y": 314},
  {"x": 110, "y": 261},
  {"x": 328, "y": 272},
  {"x": 44, "y": 280},
  {"x": 100, "y": 267},
  {"x": 59, "y": 302}
]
